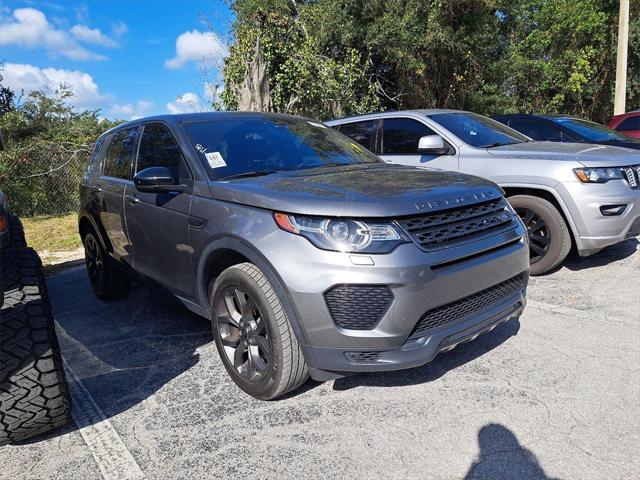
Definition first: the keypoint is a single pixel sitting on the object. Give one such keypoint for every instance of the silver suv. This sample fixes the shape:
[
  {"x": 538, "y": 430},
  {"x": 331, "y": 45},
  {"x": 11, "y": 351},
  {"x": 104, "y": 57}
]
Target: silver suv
[
  {"x": 565, "y": 193},
  {"x": 306, "y": 251}
]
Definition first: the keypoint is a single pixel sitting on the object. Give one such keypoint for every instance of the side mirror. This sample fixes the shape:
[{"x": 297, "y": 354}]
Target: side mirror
[
  {"x": 157, "y": 180},
  {"x": 432, "y": 145}
]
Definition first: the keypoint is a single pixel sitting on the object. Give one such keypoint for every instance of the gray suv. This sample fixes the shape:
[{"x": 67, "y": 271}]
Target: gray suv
[
  {"x": 566, "y": 193},
  {"x": 308, "y": 253}
]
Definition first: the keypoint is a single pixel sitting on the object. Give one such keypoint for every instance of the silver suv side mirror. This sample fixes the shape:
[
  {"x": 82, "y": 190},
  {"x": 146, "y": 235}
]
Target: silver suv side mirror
[{"x": 432, "y": 144}]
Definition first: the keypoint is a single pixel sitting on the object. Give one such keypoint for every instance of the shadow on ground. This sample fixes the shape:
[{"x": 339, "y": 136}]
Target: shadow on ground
[
  {"x": 609, "y": 255},
  {"x": 125, "y": 350},
  {"x": 502, "y": 457},
  {"x": 442, "y": 364}
]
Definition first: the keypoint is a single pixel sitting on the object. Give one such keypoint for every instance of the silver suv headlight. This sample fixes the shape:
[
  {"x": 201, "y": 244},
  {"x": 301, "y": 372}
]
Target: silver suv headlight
[
  {"x": 343, "y": 234},
  {"x": 604, "y": 174}
]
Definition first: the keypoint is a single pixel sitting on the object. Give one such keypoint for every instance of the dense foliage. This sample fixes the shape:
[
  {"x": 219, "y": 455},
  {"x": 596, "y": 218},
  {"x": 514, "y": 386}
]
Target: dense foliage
[
  {"x": 47, "y": 146},
  {"x": 327, "y": 58}
]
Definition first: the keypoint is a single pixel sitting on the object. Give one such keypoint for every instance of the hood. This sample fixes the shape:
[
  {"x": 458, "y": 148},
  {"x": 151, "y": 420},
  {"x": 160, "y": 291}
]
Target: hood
[
  {"x": 587, "y": 154},
  {"x": 366, "y": 191}
]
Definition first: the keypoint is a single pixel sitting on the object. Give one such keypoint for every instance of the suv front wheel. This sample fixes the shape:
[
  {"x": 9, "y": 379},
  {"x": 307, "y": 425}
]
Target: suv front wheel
[
  {"x": 549, "y": 237},
  {"x": 253, "y": 335}
]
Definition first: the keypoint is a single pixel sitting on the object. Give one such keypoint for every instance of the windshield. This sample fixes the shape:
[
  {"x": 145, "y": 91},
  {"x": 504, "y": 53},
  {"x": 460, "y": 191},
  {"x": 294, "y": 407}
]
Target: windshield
[
  {"x": 590, "y": 130},
  {"x": 478, "y": 131},
  {"x": 241, "y": 145}
]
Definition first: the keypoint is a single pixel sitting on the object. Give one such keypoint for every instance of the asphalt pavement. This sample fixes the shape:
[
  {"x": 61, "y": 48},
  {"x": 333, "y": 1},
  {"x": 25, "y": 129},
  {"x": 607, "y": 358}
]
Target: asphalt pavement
[{"x": 554, "y": 395}]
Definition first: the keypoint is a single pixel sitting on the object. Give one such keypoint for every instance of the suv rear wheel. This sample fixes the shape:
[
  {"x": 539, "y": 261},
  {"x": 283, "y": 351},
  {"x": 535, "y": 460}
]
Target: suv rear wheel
[
  {"x": 549, "y": 237},
  {"x": 253, "y": 335},
  {"x": 107, "y": 282}
]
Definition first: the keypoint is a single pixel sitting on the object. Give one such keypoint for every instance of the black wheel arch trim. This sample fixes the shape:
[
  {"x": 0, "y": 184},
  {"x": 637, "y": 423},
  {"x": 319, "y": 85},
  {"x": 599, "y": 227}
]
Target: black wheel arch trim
[{"x": 254, "y": 256}]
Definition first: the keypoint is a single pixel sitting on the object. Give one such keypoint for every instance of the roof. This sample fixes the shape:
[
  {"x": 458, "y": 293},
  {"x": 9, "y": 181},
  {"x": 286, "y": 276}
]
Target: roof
[
  {"x": 193, "y": 117},
  {"x": 393, "y": 113}
]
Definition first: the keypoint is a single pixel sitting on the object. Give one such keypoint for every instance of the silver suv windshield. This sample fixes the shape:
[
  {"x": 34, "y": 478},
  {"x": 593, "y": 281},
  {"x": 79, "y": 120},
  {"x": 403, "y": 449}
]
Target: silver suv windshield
[
  {"x": 477, "y": 130},
  {"x": 250, "y": 145}
]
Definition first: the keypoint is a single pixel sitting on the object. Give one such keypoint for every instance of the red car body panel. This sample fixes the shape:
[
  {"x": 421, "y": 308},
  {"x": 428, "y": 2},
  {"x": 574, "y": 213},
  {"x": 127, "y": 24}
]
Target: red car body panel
[{"x": 631, "y": 126}]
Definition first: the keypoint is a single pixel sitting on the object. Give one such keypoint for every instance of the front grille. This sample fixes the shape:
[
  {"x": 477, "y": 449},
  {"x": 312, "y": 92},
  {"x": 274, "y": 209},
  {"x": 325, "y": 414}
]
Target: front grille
[
  {"x": 633, "y": 175},
  {"x": 358, "y": 307},
  {"x": 472, "y": 304},
  {"x": 441, "y": 229}
]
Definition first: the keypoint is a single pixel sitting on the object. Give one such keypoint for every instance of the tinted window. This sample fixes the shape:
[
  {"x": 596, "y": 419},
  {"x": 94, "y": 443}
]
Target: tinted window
[
  {"x": 537, "y": 130},
  {"x": 120, "y": 153},
  {"x": 629, "y": 123},
  {"x": 590, "y": 130},
  {"x": 478, "y": 131},
  {"x": 362, "y": 132},
  {"x": 158, "y": 148},
  {"x": 233, "y": 144},
  {"x": 401, "y": 135}
]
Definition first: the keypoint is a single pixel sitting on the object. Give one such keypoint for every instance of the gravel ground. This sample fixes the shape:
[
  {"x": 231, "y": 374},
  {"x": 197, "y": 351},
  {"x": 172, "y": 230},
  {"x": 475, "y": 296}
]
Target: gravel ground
[{"x": 555, "y": 395}]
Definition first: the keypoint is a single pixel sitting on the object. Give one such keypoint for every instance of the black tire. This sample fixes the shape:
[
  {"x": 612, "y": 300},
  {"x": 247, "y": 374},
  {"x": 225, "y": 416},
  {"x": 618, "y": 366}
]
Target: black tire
[
  {"x": 16, "y": 232},
  {"x": 271, "y": 341},
  {"x": 549, "y": 236},
  {"x": 34, "y": 396},
  {"x": 107, "y": 282}
]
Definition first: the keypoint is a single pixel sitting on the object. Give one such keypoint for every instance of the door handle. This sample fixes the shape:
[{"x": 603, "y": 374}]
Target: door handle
[{"x": 133, "y": 200}]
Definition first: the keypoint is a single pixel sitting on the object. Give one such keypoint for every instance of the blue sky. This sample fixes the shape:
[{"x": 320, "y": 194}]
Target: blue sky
[{"x": 128, "y": 58}]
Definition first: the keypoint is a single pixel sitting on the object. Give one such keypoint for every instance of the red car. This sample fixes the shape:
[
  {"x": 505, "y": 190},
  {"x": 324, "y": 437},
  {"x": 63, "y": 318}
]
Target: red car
[{"x": 628, "y": 124}]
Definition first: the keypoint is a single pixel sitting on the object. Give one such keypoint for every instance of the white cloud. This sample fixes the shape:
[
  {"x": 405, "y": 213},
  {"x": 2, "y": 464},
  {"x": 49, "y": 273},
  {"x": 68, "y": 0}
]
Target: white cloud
[
  {"x": 29, "y": 28},
  {"x": 85, "y": 34},
  {"x": 186, "y": 103},
  {"x": 86, "y": 94},
  {"x": 205, "y": 48},
  {"x": 119, "y": 28},
  {"x": 131, "y": 111}
]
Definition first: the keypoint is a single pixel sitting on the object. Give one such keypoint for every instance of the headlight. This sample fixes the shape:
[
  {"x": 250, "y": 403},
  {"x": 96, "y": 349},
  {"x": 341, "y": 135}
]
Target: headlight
[
  {"x": 599, "y": 175},
  {"x": 341, "y": 234}
]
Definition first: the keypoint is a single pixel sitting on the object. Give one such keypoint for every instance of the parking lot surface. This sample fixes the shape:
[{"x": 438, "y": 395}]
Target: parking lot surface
[{"x": 555, "y": 395}]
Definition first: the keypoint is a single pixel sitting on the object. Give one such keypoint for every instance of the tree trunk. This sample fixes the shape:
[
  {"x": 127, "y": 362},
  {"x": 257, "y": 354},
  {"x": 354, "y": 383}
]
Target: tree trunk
[{"x": 255, "y": 95}]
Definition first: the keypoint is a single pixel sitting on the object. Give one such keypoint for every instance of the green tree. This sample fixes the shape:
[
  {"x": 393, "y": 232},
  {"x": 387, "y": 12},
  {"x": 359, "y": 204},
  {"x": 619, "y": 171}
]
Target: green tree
[
  {"x": 330, "y": 57},
  {"x": 47, "y": 146}
]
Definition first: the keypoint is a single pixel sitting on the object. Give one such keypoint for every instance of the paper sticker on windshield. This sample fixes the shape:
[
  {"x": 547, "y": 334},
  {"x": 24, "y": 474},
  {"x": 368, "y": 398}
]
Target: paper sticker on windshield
[{"x": 215, "y": 160}]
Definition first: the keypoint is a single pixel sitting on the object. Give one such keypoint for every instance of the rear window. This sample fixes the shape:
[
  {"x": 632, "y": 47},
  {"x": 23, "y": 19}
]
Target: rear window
[
  {"x": 238, "y": 144},
  {"x": 590, "y": 130}
]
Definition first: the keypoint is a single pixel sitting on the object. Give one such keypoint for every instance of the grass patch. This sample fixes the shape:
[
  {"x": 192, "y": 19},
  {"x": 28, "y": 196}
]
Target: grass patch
[{"x": 59, "y": 232}]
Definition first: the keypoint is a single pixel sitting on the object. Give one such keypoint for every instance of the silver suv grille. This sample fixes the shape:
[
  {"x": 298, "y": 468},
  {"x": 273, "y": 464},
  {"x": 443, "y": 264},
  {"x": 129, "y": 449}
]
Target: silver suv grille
[
  {"x": 443, "y": 229},
  {"x": 633, "y": 175}
]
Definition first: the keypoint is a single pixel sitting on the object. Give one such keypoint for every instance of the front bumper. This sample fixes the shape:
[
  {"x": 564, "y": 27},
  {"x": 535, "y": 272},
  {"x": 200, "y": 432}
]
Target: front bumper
[
  {"x": 595, "y": 230},
  {"x": 420, "y": 282}
]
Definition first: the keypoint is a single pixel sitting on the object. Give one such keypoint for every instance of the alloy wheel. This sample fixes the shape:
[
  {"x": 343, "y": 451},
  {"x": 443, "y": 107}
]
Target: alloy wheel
[
  {"x": 539, "y": 234},
  {"x": 243, "y": 334},
  {"x": 94, "y": 261}
]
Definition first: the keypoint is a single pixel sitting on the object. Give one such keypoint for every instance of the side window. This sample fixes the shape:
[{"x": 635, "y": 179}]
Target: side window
[
  {"x": 536, "y": 130},
  {"x": 158, "y": 148},
  {"x": 629, "y": 123},
  {"x": 363, "y": 133},
  {"x": 401, "y": 135},
  {"x": 96, "y": 154},
  {"x": 120, "y": 153}
]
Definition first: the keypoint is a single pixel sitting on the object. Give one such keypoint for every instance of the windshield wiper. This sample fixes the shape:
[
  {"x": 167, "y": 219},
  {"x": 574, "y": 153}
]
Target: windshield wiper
[
  {"x": 255, "y": 173},
  {"x": 495, "y": 144}
]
